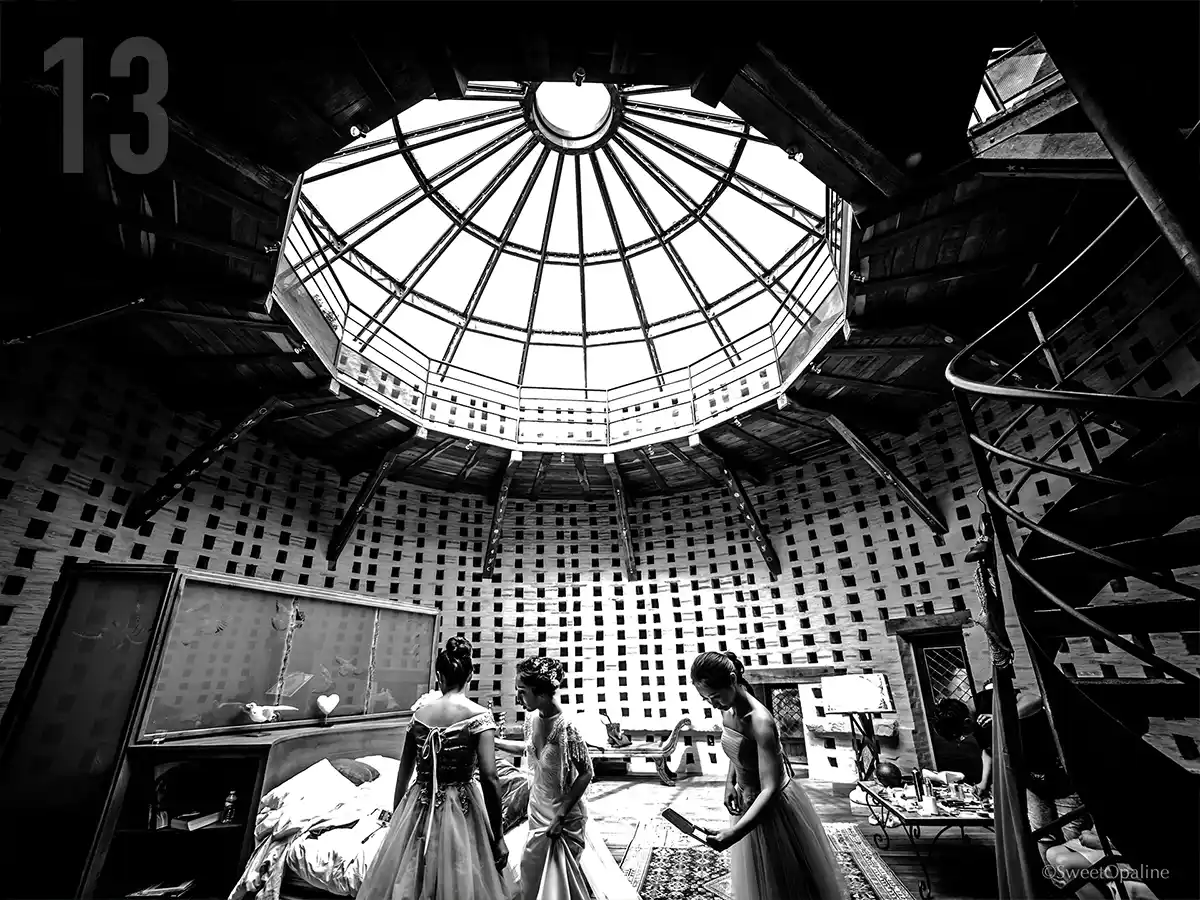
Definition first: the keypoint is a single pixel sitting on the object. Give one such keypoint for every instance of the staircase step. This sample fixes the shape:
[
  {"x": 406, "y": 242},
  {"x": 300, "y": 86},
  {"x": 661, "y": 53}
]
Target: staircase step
[
  {"x": 1133, "y": 506},
  {"x": 1142, "y": 697},
  {"x": 1157, "y": 617},
  {"x": 1157, "y": 554}
]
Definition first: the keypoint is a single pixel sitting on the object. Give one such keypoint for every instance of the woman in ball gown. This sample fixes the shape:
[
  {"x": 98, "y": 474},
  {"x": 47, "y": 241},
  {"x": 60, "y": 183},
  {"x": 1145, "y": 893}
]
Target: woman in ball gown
[
  {"x": 552, "y": 865},
  {"x": 444, "y": 839},
  {"x": 778, "y": 847}
]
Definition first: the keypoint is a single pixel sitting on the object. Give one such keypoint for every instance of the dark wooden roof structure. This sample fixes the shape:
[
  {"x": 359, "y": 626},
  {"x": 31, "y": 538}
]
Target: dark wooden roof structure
[{"x": 172, "y": 270}]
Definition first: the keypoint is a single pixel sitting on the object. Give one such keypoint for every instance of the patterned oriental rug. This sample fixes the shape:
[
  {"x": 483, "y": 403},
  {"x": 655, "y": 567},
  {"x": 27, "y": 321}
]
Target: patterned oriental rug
[{"x": 663, "y": 864}]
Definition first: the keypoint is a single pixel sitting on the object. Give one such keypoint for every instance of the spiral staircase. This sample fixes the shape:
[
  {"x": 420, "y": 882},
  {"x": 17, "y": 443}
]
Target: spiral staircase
[{"x": 1100, "y": 552}]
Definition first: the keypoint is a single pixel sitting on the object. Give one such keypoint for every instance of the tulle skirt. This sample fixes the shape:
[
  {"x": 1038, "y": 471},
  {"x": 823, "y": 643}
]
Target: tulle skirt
[
  {"x": 458, "y": 864},
  {"x": 787, "y": 855}
]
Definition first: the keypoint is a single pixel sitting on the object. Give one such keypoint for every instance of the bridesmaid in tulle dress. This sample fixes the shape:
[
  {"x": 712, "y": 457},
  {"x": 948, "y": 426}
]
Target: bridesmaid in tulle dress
[
  {"x": 778, "y": 847},
  {"x": 444, "y": 841}
]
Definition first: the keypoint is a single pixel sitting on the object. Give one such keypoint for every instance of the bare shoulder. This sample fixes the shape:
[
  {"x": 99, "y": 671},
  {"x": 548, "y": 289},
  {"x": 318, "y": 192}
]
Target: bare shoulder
[{"x": 763, "y": 727}]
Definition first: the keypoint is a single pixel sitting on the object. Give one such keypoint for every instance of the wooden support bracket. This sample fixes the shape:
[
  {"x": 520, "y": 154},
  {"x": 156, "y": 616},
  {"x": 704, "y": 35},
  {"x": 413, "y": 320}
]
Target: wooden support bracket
[
  {"x": 539, "y": 477},
  {"x": 430, "y": 454},
  {"x": 366, "y": 491},
  {"x": 920, "y": 504},
  {"x": 585, "y": 481},
  {"x": 467, "y": 468},
  {"x": 502, "y": 491},
  {"x": 626, "y": 536},
  {"x": 150, "y": 502},
  {"x": 729, "y": 458},
  {"x": 659, "y": 481},
  {"x": 750, "y": 517},
  {"x": 693, "y": 465}
]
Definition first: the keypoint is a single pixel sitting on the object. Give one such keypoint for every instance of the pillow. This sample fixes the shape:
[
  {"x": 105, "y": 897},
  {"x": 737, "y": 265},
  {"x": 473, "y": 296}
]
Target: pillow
[
  {"x": 358, "y": 772},
  {"x": 591, "y": 729},
  {"x": 319, "y": 778}
]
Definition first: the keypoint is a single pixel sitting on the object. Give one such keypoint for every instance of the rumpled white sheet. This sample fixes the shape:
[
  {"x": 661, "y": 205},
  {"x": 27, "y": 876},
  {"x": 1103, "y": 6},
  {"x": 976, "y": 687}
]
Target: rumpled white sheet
[{"x": 335, "y": 861}]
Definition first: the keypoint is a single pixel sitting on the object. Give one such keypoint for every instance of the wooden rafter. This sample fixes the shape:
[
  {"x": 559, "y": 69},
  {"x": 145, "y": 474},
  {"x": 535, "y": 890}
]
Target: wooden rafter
[
  {"x": 877, "y": 387},
  {"x": 585, "y": 482},
  {"x": 238, "y": 322},
  {"x": 467, "y": 468},
  {"x": 539, "y": 477},
  {"x": 431, "y": 453},
  {"x": 749, "y": 515},
  {"x": 316, "y": 409},
  {"x": 502, "y": 493},
  {"x": 150, "y": 502},
  {"x": 693, "y": 465},
  {"x": 889, "y": 350},
  {"x": 354, "y": 432},
  {"x": 366, "y": 491},
  {"x": 719, "y": 455},
  {"x": 659, "y": 481},
  {"x": 783, "y": 421},
  {"x": 874, "y": 458},
  {"x": 273, "y": 357},
  {"x": 623, "y": 531},
  {"x": 869, "y": 417},
  {"x": 959, "y": 214},
  {"x": 776, "y": 453},
  {"x": 937, "y": 274}
]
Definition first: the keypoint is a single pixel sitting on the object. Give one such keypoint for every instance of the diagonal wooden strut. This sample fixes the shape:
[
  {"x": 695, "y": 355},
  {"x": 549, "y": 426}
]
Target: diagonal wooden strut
[
  {"x": 502, "y": 493},
  {"x": 150, "y": 502},
  {"x": 366, "y": 491},
  {"x": 625, "y": 535},
  {"x": 749, "y": 516},
  {"x": 919, "y": 503}
]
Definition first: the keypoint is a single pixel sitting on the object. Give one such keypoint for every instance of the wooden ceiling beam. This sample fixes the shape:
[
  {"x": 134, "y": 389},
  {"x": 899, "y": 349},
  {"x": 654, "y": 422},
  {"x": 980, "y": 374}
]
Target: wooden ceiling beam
[
  {"x": 581, "y": 472},
  {"x": 171, "y": 232},
  {"x": 779, "y": 419},
  {"x": 208, "y": 321},
  {"x": 750, "y": 518},
  {"x": 777, "y": 453},
  {"x": 174, "y": 481},
  {"x": 1033, "y": 111},
  {"x": 234, "y": 200},
  {"x": 659, "y": 481},
  {"x": 729, "y": 458},
  {"x": 887, "y": 470},
  {"x": 623, "y": 530},
  {"x": 316, "y": 409},
  {"x": 888, "y": 350},
  {"x": 430, "y": 454},
  {"x": 504, "y": 483},
  {"x": 467, "y": 468},
  {"x": 875, "y": 387},
  {"x": 863, "y": 415},
  {"x": 341, "y": 534},
  {"x": 958, "y": 214},
  {"x": 357, "y": 430},
  {"x": 539, "y": 477},
  {"x": 446, "y": 79},
  {"x": 693, "y": 465},
  {"x": 237, "y": 359},
  {"x": 936, "y": 275}
]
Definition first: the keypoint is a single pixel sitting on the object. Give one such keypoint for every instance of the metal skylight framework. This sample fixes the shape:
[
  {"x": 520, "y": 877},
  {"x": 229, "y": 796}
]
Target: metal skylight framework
[{"x": 541, "y": 238}]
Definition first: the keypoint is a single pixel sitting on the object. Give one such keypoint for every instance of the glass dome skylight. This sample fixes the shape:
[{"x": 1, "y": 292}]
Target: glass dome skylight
[{"x": 561, "y": 241}]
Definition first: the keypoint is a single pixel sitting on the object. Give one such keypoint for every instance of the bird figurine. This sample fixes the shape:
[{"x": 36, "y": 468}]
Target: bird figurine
[
  {"x": 260, "y": 714},
  {"x": 347, "y": 667}
]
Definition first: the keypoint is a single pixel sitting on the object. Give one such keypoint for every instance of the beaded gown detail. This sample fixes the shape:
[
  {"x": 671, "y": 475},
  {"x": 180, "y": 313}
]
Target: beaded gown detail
[
  {"x": 438, "y": 845},
  {"x": 788, "y": 854},
  {"x": 549, "y": 868}
]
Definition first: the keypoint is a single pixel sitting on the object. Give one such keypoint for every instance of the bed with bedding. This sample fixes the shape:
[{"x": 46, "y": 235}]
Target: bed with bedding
[{"x": 316, "y": 833}]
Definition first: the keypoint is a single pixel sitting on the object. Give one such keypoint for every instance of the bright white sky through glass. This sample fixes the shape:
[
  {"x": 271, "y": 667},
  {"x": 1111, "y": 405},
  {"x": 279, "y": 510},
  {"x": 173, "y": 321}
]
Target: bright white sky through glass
[{"x": 508, "y": 316}]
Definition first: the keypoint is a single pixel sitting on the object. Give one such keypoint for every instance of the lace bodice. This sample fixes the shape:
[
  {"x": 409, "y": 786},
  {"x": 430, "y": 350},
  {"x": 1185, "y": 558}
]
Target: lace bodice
[{"x": 564, "y": 746}]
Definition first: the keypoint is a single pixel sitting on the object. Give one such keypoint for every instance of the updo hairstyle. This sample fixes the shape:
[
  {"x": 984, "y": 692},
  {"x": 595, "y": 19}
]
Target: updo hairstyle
[{"x": 454, "y": 663}]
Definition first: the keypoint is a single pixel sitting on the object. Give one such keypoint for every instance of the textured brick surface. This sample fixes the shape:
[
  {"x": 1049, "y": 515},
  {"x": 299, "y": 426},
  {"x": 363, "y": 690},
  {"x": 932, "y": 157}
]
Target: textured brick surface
[{"x": 79, "y": 441}]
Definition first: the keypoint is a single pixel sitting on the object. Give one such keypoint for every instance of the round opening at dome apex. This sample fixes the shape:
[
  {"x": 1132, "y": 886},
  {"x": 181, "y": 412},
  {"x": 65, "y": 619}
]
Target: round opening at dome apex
[{"x": 573, "y": 116}]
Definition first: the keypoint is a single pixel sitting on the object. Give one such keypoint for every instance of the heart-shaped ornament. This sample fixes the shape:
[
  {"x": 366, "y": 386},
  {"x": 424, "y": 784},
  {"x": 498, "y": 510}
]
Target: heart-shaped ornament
[{"x": 327, "y": 703}]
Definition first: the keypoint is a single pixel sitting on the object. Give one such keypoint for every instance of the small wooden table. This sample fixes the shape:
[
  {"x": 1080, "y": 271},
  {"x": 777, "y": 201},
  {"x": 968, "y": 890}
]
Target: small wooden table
[{"x": 882, "y": 802}]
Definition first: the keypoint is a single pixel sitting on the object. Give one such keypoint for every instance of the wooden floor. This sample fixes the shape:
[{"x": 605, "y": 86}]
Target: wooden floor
[{"x": 958, "y": 870}]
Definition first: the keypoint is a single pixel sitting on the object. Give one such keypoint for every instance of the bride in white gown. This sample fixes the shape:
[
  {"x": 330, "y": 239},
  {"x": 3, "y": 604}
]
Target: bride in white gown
[{"x": 557, "y": 854}]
